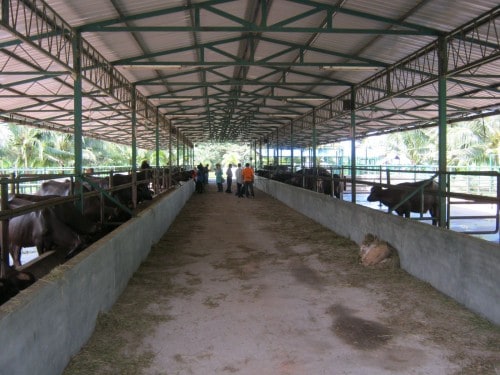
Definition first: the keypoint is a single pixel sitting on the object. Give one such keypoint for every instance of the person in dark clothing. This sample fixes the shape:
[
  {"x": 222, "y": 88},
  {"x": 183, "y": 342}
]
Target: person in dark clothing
[
  {"x": 200, "y": 179},
  {"x": 205, "y": 174}
]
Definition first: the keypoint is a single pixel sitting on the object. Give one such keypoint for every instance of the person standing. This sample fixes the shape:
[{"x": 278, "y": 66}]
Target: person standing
[
  {"x": 205, "y": 174},
  {"x": 218, "y": 177},
  {"x": 200, "y": 178},
  {"x": 239, "y": 181},
  {"x": 248, "y": 177},
  {"x": 229, "y": 178}
]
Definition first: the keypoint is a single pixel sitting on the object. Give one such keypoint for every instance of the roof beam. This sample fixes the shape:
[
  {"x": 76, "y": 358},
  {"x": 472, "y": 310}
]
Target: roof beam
[
  {"x": 244, "y": 26},
  {"x": 260, "y": 29}
]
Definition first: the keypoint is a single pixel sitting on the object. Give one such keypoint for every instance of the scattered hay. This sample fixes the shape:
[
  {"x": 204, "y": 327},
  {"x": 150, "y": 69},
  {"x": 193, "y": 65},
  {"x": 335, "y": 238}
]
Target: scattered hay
[
  {"x": 244, "y": 267},
  {"x": 410, "y": 305},
  {"x": 57, "y": 273},
  {"x": 214, "y": 301},
  {"x": 104, "y": 353}
]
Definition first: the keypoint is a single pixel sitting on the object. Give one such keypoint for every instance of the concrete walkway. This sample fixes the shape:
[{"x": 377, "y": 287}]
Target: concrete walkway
[{"x": 249, "y": 286}]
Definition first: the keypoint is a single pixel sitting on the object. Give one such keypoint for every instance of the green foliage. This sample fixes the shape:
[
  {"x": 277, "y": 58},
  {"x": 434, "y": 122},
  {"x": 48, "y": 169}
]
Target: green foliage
[
  {"x": 474, "y": 143},
  {"x": 28, "y": 147},
  {"x": 223, "y": 153}
]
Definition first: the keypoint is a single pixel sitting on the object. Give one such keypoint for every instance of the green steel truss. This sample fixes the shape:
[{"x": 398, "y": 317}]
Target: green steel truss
[{"x": 234, "y": 106}]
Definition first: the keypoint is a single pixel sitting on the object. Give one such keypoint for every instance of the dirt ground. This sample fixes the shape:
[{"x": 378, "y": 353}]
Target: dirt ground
[{"x": 249, "y": 286}]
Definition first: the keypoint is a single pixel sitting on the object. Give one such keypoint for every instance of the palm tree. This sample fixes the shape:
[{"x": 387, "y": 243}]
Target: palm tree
[
  {"x": 474, "y": 143},
  {"x": 468, "y": 143},
  {"x": 27, "y": 146},
  {"x": 417, "y": 145}
]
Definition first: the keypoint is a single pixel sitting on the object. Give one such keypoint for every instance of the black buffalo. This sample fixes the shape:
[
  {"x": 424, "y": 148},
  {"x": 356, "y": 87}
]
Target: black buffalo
[
  {"x": 53, "y": 187},
  {"x": 317, "y": 179},
  {"x": 66, "y": 212},
  {"x": 280, "y": 173},
  {"x": 395, "y": 194},
  {"x": 40, "y": 228},
  {"x": 92, "y": 207},
  {"x": 179, "y": 174},
  {"x": 125, "y": 195}
]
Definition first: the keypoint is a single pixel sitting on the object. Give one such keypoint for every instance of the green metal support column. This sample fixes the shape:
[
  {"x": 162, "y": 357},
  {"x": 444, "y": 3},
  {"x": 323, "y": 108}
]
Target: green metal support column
[
  {"x": 177, "y": 146},
  {"x": 4, "y": 227},
  {"x": 291, "y": 145},
  {"x": 353, "y": 144},
  {"x": 181, "y": 151},
  {"x": 255, "y": 154},
  {"x": 260, "y": 155},
  {"x": 157, "y": 139},
  {"x": 134, "y": 128},
  {"x": 169, "y": 153},
  {"x": 278, "y": 149},
  {"x": 314, "y": 140},
  {"x": 184, "y": 151},
  {"x": 77, "y": 112},
  {"x": 134, "y": 145},
  {"x": 5, "y": 11},
  {"x": 443, "y": 69},
  {"x": 267, "y": 152}
]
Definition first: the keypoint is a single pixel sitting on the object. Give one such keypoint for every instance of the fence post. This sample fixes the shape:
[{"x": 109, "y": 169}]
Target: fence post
[
  {"x": 4, "y": 253},
  {"x": 13, "y": 184}
]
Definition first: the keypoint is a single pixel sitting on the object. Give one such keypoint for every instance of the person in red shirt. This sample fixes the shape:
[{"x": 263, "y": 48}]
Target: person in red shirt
[{"x": 248, "y": 177}]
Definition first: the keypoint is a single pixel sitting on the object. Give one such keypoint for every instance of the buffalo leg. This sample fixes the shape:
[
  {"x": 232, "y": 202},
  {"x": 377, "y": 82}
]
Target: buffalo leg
[{"x": 15, "y": 252}]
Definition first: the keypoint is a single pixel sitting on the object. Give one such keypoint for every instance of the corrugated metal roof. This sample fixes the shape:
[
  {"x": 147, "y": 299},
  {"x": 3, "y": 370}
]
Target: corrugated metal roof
[{"x": 248, "y": 70}]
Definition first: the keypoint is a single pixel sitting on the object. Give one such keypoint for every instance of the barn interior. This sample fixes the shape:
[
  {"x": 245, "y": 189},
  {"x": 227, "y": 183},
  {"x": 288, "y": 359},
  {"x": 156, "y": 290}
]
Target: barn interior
[
  {"x": 282, "y": 75},
  {"x": 291, "y": 73},
  {"x": 285, "y": 74}
]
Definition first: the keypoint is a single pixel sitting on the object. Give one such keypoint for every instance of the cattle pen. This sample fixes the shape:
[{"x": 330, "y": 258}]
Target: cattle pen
[{"x": 220, "y": 284}]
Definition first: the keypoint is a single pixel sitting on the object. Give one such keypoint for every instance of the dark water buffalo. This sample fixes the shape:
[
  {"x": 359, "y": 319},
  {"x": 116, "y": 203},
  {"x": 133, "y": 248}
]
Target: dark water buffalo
[
  {"x": 395, "y": 194},
  {"x": 53, "y": 187},
  {"x": 67, "y": 213},
  {"x": 13, "y": 283},
  {"x": 40, "y": 228},
  {"x": 319, "y": 179},
  {"x": 91, "y": 205},
  {"x": 125, "y": 195},
  {"x": 280, "y": 173},
  {"x": 178, "y": 174}
]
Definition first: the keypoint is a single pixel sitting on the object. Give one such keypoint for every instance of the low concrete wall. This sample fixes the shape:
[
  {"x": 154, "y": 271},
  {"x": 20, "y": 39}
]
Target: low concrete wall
[
  {"x": 463, "y": 267},
  {"x": 42, "y": 327}
]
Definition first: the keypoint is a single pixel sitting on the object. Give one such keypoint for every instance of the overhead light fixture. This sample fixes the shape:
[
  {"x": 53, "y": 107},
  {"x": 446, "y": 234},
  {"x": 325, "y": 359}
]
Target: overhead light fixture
[
  {"x": 151, "y": 66},
  {"x": 305, "y": 99},
  {"x": 183, "y": 116},
  {"x": 173, "y": 99},
  {"x": 350, "y": 67},
  {"x": 282, "y": 115}
]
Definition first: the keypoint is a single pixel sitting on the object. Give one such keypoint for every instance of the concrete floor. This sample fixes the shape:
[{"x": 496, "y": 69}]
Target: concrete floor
[{"x": 249, "y": 286}]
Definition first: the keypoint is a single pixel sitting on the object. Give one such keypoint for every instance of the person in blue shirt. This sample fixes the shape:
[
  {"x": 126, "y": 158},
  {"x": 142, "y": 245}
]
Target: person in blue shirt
[{"x": 218, "y": 177}]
